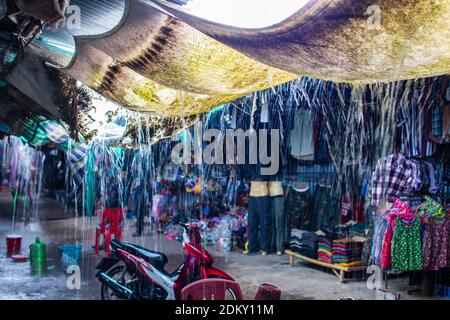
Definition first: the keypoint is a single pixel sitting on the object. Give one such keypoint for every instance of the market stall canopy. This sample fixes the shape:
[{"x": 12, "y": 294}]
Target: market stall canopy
[
  {"x": 170, "y": 69},
  {"x": 163, "y": 60},
  {"x": 341, "y": 41}
]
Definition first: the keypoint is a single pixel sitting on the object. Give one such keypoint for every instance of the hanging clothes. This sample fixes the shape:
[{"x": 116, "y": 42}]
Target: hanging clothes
[
  {"x": 325, "y": 208},
  {"x": 407, "y": 246},
  {"x": 446, "y": 172},
  {"x": 446, "y": 117},
  {"x": 55, "y": 132},
  {"x": 414, "y": 121},
  {"x": 381, "y": 225},
  {"x": 394, "y": 176},
  {"x": 298, "y": 210},
  {"x": 259, "y": 224},
  {"x": 424, "y": 176},
  {"x": 436, "y": 244},
  {"x": 398, "y": 209},
  {"x": 302, "y": 136},
  {"x": 89, "y": 179},
  {"x": 433, "y": 188},
  {"x": 278, "y": 223},
  {"x": 386, "y": 253},
  {"x": 346, "y": 206},
  {"x": 278, "y": 235}
]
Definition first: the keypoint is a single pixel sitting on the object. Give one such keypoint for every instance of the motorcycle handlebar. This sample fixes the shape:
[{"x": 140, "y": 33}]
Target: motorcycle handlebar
[
  {"x": 187, "y": 227},
  {"x": 184, "y": 225}
]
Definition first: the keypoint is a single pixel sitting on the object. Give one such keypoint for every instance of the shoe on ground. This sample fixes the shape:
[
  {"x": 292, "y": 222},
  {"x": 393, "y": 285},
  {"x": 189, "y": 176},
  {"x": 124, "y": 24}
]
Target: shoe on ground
[
  {"x": 280, "y": 253},
  {"x": 248, "y": 253},
  {"x": 136, "y": 235},
  {"x": 264, "y": 253}
]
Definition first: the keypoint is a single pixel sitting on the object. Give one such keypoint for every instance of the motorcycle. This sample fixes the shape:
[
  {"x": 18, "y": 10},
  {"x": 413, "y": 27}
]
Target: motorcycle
[{"x": 136, "y": 273}]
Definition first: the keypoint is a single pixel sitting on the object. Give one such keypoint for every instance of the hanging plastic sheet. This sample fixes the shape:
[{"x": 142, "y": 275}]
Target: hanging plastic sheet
[{"x": 111, "y": 133}]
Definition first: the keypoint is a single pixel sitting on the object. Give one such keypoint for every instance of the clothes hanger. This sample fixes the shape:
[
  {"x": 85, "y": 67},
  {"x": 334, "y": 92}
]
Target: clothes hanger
[{"x": 401, "y": 210}]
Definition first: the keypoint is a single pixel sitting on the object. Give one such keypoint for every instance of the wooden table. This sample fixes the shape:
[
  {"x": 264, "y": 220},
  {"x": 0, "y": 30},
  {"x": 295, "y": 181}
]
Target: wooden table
[{"x": 338, "y": 270}]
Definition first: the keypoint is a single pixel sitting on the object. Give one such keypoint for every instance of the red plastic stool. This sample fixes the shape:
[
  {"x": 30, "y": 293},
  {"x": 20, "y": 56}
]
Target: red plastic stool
[
  {"x": 111, "y": 224},
  {"x": 211, "y": 289},
  {"x": 268, "y": 292}
]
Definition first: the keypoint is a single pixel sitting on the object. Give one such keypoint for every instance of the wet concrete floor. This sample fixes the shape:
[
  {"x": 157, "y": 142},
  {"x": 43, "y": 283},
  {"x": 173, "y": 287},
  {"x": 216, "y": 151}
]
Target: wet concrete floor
[{"x": 57, "y": 226}]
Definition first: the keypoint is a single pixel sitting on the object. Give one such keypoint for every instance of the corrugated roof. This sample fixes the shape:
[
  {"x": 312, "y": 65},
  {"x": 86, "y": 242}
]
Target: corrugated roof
[
  {"x": 163, "y": 60},
  {"x": 97, "y": 17}
]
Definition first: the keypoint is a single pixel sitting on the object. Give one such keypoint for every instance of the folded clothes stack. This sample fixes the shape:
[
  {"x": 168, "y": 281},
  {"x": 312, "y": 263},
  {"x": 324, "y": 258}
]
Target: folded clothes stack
[
  {"x": 358, "y": 230},
  {"x": 304, "y": 243},
  {"x": 324, "y": 253},
  {"x": 346, "y": 251}
]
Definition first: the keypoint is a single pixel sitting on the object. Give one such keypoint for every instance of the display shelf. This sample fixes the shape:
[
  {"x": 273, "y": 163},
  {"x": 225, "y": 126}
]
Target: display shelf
[{"x": 338, "y": 270}]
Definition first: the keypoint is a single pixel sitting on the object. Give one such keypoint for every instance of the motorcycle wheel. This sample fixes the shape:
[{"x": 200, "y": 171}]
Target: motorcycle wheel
[{"x": 122, "y": 276}]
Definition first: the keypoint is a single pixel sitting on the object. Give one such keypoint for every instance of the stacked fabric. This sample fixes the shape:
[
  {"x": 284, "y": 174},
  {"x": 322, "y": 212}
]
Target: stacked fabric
[
  {"x": 346, "y": 251},
  {"x": 358, "y": 230},
  {"x": 325, "y": 253},
  {"x": 304, "y": 243}
]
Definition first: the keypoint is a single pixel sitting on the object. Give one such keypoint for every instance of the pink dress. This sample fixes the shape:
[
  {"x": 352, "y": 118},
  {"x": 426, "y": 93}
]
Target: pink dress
[
  {"x": 399, "y": 208},
  {"x": 386, "y": 257}
]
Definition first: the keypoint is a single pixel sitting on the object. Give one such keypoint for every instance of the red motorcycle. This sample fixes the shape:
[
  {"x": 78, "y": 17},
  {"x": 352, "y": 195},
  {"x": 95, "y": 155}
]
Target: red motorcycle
[{"x": 133, "y": 272}]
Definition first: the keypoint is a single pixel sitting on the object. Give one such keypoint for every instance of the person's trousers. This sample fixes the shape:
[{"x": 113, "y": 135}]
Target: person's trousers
[
  {"x": 140, "y": 213},
  {"x": 278, "y": 220},
  {"x": 258, "y": 224},
  {"x": 140, "y": 222}
]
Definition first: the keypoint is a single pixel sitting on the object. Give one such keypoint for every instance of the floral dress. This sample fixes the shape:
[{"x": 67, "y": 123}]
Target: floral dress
[
  {"x": 407, "y": 246},
  {"x": 436, "y": 243}
]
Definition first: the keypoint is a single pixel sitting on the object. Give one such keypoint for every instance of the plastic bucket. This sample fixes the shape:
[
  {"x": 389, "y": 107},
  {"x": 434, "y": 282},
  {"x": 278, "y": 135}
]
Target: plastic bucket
[
  {"x": 13, "y": 245},
  {"x": 70, "y": 255}
]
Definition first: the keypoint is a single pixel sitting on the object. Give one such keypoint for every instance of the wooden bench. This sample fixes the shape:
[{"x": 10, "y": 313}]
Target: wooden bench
[{"x": 338, "y": 270}]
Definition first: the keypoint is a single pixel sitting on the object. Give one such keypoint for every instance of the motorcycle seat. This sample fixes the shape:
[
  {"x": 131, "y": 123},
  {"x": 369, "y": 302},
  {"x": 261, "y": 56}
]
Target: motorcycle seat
[{"x": 155, "y": 258}]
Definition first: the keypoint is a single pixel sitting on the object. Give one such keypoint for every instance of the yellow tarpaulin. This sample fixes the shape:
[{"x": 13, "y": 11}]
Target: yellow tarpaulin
[{"x": 167, "y": 62}]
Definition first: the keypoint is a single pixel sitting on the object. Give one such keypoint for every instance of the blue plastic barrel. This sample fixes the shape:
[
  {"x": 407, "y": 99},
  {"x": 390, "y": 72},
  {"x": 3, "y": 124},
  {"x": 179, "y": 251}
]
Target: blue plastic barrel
[{"x": 70, "y": 255}]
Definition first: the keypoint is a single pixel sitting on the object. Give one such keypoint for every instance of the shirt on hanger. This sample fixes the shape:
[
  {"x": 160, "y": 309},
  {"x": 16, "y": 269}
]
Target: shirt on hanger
[{"x": 394, "y": 175}]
